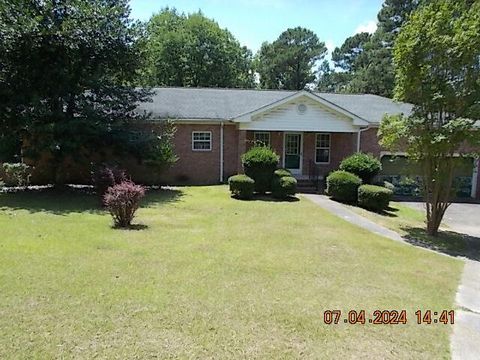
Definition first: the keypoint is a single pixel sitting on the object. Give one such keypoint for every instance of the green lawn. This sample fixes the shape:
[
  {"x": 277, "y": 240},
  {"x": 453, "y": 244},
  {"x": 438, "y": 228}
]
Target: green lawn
[
  {"x": 208, "y": 277},
  {"x": 410, "y": 223}
]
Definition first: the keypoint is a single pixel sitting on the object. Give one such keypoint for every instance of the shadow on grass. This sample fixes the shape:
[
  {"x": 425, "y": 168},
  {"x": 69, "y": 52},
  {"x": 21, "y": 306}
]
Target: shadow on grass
[
  {"x": 388, "y": 212},
  {"x": 132, "y": 227},
  {"x": 67, "y": 200},
  {"x": 161, "y": 196},
  {"x": 447, "y": 242},
  {"x": 268, "y": 198}
]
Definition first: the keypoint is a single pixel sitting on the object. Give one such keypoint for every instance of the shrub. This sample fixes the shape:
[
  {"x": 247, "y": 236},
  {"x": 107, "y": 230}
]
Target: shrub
[
  {"x": 373, "y": 197},
  {"x": 363, "y": 165},
  {"x": 106, "y": 176},
  {"x": 282, "y": 173},
  {"x": 283, "y": 186},
  {"x": 386, "y": 184},
  {"x": 259, "y": 163},
  {"x": 17, "y": 174},
  {"x": 241, "y": 186},
  {"x": 343, "y": 186},
  {"x": 122, "y": 201}
]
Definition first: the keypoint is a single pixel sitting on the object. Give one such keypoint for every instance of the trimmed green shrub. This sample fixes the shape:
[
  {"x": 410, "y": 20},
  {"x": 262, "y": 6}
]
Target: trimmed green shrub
[
  {"x": 283, "y": 186},
  {"x": 386, "y": 184},
  {"x": 259, "y": 163},
  {"x": 17, "y": 174},
  {"x": 343, "y": 186},
  {"x": 241, "y": 186},
  {"x": 282, "y": 173},
  {"x": 373, "y": 197},
  {"x": 122, "y": 201},
  {"x": 365, "y": 166}
]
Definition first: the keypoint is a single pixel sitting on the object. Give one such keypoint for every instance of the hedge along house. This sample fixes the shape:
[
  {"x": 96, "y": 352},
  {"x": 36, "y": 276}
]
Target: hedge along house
[{"x": 311, "y": 132}]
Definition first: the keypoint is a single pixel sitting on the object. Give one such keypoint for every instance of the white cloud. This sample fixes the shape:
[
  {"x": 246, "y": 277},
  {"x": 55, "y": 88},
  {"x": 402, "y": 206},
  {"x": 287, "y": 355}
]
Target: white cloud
[{"x": 369, "y": 26}]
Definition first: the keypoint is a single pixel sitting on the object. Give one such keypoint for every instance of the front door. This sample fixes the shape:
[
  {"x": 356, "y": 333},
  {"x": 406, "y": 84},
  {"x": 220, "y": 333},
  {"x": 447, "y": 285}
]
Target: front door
[{"x": 292, "y": 152}]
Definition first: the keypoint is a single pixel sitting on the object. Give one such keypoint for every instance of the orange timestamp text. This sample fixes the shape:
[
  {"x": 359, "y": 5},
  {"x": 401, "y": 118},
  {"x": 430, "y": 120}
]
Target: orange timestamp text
[{"x": 388, "y": 317}]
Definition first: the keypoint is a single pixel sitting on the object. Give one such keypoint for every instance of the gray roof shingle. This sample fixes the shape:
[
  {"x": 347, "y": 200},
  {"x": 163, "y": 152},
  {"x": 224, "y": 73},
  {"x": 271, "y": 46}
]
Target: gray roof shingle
[{"x": 226, "y": 104}]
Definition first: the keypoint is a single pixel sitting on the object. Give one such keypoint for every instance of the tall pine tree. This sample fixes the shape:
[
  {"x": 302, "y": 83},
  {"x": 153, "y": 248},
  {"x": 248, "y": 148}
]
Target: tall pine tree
[{"x": 368, "y": 59}]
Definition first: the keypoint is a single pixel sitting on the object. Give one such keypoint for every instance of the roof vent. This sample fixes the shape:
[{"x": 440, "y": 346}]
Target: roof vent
[{"x": 302, "y": 108}]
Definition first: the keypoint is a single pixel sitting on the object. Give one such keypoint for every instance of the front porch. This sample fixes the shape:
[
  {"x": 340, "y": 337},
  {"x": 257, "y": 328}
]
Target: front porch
[{"x": 307, "y": 154}]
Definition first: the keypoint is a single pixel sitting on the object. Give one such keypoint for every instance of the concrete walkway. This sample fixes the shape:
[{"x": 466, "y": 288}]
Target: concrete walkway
[{"x": 465, "y": 340}]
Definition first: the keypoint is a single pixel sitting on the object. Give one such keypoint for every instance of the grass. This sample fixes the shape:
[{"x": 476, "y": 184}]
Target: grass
[
  {"x": 208, "y": 277},
  {"x": 410, "y": 223}
]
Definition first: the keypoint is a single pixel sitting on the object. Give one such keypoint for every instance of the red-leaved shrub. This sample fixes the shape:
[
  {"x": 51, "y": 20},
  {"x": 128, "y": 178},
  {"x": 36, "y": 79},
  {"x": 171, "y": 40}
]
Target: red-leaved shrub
[
  {"x": 122, "y": 200},
  {"x": 106, "y": 176}
]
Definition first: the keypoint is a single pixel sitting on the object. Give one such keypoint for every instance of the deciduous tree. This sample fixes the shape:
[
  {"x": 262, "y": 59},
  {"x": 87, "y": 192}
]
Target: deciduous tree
[
  {"x": 437, "y": 68},
  {"x": 66, "y": 74},
  {"x": 192, "y": 50}
]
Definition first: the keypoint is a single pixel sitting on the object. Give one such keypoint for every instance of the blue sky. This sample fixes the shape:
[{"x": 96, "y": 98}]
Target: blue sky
[{"x": 255, "y": 21}]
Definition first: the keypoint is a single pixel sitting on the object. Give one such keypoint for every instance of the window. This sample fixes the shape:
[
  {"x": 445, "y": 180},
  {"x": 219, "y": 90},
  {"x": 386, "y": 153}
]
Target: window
[
  {"x": 322, "y": 149},
  {"x": 262, "y": 138},
  {"x": 202, "y": 141}
]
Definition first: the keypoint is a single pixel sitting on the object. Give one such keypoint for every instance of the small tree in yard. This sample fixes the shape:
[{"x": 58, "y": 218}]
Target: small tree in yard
[
  {"x": 437, "y": 68},
  {"x": 122, "y": 201}
]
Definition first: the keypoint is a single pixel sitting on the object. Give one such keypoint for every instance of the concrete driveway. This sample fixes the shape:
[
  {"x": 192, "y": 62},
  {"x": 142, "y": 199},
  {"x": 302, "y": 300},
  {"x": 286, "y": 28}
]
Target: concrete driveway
[{"x": 462, "y": 218}]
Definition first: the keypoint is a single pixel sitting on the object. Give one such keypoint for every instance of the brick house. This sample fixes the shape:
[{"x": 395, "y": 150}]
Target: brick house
[{"x": 312, "y": 132}]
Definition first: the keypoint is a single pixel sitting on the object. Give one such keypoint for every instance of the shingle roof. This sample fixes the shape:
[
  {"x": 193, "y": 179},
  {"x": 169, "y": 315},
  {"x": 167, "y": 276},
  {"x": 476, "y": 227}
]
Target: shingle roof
[{"x": 226, "y": 104}]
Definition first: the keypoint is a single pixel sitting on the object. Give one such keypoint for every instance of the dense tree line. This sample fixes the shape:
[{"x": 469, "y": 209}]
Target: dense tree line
[
  {"x": 67, "y": 75},
  {"x": 192, "y": 50},
  {"x": 364, "y": 62}
]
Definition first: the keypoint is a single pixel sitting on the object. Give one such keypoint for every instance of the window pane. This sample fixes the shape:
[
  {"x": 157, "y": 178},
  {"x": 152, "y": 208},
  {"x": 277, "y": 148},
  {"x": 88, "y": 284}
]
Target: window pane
[
  {"x": 323, "y": 140},
  {"x": 262, "y": 138},
  {"x": 322, "y": 156},
  {"x": 202, "y": 140},
  {"x": 322, "y": 148},
  {"x": 201, "y": 136}
]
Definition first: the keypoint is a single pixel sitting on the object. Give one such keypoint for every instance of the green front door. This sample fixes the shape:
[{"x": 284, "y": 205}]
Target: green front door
[{"x": 293, "y": 152}]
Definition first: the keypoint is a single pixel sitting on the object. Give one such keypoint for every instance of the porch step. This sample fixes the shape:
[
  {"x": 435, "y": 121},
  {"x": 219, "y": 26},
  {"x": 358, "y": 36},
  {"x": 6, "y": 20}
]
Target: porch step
[{"x": 306, "y": 186}]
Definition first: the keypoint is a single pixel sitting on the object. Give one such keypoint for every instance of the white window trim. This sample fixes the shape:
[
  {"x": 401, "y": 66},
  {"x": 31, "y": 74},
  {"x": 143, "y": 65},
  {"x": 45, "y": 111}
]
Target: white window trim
[
  {"x": 263, "y": 132},
  {"x": 329, "y": 148},
  {"x": 193, "y": 140}
]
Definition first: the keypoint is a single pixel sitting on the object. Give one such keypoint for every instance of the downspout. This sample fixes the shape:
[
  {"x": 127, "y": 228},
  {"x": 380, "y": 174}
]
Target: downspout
[
  {"x": 221, "y": 152},
  {"x": 476, "y": 165},
  {"x": 359, "y": 132}
]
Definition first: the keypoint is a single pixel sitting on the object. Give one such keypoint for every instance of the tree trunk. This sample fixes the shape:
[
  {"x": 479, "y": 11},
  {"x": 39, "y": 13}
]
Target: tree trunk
[{"x": 438, "y": 183}]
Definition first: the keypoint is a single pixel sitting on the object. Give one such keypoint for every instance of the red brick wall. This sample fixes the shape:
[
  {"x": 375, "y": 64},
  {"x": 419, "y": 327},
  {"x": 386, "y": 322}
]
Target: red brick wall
[
  {"x": 195, "y": 167},
  {"x": 369, "y": 142},
  {"x": 341, "y": 145},
  {"x": 230, "y": 150}
]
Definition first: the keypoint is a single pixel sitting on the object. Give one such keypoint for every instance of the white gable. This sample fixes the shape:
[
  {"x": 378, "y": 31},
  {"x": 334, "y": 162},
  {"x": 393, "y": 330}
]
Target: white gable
[{"x": 311, "y": 115}]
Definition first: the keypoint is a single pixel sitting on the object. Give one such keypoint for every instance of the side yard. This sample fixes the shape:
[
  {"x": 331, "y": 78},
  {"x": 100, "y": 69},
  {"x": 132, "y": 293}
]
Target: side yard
[
  {"x": 207, "y": 276},
  {"x": 409, "y": 222}
]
